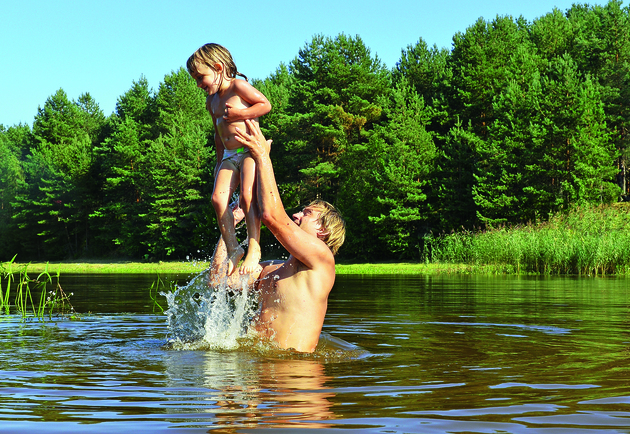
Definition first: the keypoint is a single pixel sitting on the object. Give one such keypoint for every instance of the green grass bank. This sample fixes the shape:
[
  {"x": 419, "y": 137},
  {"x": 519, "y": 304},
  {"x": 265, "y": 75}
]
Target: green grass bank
[
  {"x": 110, "y": 267},
  {"x": 191, "y": 268},
  {"x": 584, "y": 241}
]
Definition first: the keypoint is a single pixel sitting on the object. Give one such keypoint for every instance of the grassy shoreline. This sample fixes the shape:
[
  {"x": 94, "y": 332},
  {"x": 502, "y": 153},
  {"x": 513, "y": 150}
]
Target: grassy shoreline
[
  {"x": 109, "y": 267},
  {"x": 196, "y": 267},
  {"x": 158, "y": 268},
  {"x": 588, "y": 240}
]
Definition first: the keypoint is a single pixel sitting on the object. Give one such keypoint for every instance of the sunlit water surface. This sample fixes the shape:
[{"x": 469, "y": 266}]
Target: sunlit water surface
[{"x": 400, "y": 354}]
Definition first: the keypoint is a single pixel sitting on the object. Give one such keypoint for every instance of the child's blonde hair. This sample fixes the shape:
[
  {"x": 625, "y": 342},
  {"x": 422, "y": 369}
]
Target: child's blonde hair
[
  {"x": 332, "y": 222},
  {"x": 211, "y": 54}
]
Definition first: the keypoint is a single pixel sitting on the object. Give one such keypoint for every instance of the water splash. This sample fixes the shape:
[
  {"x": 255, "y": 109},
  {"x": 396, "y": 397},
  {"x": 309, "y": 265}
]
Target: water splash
[{"x": 201, "y": 316}]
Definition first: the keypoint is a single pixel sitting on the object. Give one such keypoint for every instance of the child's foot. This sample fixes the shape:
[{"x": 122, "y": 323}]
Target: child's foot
[
  {"x": 251, "y": 262},
  {"x": 233, "y": 259}
]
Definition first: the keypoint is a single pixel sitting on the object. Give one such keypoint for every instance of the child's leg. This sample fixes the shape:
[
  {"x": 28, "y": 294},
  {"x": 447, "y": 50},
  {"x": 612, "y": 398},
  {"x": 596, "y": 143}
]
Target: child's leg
[
  {"x": 226, "y": 181},
  {"x": 252, "y": 218}
]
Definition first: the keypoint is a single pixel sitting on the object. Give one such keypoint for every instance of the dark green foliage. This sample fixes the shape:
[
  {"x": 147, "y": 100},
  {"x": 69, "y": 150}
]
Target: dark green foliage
[
  {"x": 479, "y": 59},
  {"x": 178, "y": 176},
  {"x": 385, "y": 187},
  {"x": 12, "y": 182},
  {"x": 332, "y": 104},
  {"x": 156, "y": 166},
  {"x": 518, "y": 122},
  {"x": 547, "y": 149},
  {"x": 54, "y": 204},
  {"x": 454, "y": 182},
  {"x": 532, "y": 138},
  {"x": 428, "y": 69}
]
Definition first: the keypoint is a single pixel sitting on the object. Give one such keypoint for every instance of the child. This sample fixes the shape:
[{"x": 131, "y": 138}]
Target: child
[{"x": 231, "y": 101}]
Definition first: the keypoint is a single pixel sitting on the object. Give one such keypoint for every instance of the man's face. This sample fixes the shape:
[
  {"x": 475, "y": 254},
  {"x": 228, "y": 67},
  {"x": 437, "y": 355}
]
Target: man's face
[{"x": 307, "y": 219}]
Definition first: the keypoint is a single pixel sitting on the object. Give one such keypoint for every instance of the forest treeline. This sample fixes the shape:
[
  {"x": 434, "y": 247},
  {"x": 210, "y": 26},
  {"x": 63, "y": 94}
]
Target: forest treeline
[{"x": 516, "y": 122}]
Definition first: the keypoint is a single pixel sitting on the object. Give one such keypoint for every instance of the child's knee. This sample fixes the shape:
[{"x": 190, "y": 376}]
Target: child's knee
[{"x": 219, "y": 201}]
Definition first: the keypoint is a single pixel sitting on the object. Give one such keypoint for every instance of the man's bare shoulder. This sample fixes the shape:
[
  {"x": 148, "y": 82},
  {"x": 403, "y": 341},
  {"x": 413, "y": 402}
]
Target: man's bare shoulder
[{"x": 319, "y": 259}]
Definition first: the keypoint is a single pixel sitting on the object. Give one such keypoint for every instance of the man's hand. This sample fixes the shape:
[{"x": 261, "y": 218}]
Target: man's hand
[{"x": 255, "y": 142}]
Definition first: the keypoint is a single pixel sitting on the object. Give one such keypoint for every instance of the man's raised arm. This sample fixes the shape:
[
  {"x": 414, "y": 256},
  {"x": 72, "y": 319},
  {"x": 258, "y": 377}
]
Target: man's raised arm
[{"x": 307, "y": 248}]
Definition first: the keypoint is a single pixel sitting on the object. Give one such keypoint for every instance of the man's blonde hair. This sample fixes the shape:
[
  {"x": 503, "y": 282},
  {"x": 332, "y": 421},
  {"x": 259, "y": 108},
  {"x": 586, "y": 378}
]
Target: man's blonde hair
[
  {"x": 209, "y": 55},
  {"x": 332, "y": 223}
]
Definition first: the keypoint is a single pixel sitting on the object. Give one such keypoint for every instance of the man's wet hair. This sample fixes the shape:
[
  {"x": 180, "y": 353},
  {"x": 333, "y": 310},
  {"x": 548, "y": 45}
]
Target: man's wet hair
[{"x": 332, "y": 223}]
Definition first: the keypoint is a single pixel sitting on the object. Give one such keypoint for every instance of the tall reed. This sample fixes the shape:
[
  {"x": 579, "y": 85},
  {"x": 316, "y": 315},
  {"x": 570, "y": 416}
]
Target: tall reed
[
  {"x": 585, "y": 240},
  {"x": 52, "y": 300},
  {"x": 154, "y": 291}
]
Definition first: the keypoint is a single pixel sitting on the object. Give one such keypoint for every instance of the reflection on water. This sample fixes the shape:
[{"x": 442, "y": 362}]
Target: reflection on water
[
  {"x": 399, "y": 354},
  {"x": 244, "y": 392}
]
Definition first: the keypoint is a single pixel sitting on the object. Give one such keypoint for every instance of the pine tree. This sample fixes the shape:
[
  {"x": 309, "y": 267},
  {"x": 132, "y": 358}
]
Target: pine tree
[
  {"x": 11, "y": 184},
  {"x": 331, "y": 105},
  {"x": 58, "y": 200},
  {"x": 429, "y": 71},
  {"x": 602, "y": 49},
  {"x": 180, "y": 224},
  {"x": 122, "y": 160},
  {"x": 179, "y": 202},
  {"x": 157, "y": 171},
  {"x": 505, "y": 159},
  {"x": 478, "y": 63},
  {"x": 579, "y": 155},
  {"x": 397, "y": 166},
  {"x": 454, "y": 181}
]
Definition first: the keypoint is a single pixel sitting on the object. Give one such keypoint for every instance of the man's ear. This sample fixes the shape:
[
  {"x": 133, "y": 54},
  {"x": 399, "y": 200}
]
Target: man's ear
[{"x": 322, "y": 234}]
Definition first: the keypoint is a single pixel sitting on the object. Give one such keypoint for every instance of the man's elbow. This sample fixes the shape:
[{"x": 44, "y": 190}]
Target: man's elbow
[
  {"x": 267, "y": 218},
  {"x": 274, "y": 220}
]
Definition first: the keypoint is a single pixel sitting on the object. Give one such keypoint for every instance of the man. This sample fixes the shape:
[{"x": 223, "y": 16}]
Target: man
[{"x": 294, "y": 293}]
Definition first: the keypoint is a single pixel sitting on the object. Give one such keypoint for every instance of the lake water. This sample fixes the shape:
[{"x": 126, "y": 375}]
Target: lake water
[{"x": 402, "y": 354}]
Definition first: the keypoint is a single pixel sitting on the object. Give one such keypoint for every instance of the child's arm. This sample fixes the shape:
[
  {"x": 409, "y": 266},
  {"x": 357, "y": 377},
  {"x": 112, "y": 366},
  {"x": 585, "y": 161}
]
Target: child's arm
[{"x": 259, "y": 104}]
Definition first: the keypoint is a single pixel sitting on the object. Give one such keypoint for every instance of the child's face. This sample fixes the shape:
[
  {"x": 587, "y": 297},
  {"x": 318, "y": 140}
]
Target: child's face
[{"x": 207, "y": 79}]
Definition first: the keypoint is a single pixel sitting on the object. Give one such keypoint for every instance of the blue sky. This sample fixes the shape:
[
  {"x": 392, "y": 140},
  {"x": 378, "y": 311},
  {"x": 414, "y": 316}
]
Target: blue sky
[{"x": 101, "y": 47}]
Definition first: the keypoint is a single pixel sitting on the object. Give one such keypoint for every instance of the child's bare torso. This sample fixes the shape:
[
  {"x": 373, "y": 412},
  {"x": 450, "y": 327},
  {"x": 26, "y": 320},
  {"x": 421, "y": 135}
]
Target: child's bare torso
[{"x": 225, "y": 129}]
